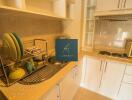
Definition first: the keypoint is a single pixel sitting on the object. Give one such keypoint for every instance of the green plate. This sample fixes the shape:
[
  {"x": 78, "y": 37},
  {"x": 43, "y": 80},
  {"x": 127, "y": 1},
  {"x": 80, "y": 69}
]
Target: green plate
[
  {"x": 12, "y": 49},
  {"x": 20, "y": 43},
  {"x": 6, "y": 48},
  {"x": 17, "y": 46}
]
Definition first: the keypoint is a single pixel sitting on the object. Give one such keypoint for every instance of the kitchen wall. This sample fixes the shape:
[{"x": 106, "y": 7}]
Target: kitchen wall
[
  {"x": 73, "y": 28},
  {"x": 112, "y": 32},
  {"x": 29, "y": 27}
]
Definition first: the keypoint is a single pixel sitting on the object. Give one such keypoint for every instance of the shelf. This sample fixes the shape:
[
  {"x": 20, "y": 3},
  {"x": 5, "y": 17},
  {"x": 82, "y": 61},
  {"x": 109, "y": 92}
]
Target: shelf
[{"x": 10, "y": 11}]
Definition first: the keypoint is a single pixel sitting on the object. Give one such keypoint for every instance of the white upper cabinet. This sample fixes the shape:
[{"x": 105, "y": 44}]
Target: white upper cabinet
[
  {"x": 60, "y": 8},
  {"x": 113, "y": 7},
  {"x": 56, "y": 9},
  {"x": 111, "y": 80},
  {"x": 128, "y": 4},
  {"x": 92, "y": 69},
  {"x": 105, "y": 5}
]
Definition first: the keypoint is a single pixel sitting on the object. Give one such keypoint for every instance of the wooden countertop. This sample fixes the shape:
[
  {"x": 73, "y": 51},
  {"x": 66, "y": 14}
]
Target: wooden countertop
[{"x": 34, "y": 92}]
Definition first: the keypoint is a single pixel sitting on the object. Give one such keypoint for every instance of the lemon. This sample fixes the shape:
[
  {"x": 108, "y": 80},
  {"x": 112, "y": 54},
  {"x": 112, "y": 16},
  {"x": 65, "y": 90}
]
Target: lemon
[{"x": 17, "y": 74}]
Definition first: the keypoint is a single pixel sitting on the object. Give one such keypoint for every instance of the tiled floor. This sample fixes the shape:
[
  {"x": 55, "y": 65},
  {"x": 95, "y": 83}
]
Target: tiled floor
[{"x": 84, "y": 94}]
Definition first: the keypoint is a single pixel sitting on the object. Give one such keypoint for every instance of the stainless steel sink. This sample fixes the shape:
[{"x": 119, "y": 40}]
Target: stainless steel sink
[
  {"x": 54, "y": 61},
  {"x": 44, "y": 73}
]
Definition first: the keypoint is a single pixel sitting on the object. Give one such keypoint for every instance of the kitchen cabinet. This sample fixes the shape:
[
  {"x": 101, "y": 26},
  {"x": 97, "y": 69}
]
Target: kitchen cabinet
[
  {"x": 53, "y": 94},
  {"x": 106, "y": 5},
  {"x": 68, "y": 86},
  {"x": 92, "y": 74},
  {"x": 103, "y": 77},
  {"x": 127, "y": 4},
  {"x": 78, "y": 73},
  {"x": 71, "y": 82},
  {"x": 113, "y": 7},
  {"x": 111, "y": 78},
  {"x": 60, "y": 8},
  {"x": 125, "y": 92},
  {"x": 54, "y": 9},
  {"x": 88, "y": 25}
]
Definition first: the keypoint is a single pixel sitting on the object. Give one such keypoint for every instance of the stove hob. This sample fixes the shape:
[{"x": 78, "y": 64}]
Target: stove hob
[{"x": 123, "y": 55}]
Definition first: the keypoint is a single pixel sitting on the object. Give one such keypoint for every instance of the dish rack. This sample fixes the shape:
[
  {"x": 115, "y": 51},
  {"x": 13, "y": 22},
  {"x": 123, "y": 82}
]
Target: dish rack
[{"x": 6, "y": 63}]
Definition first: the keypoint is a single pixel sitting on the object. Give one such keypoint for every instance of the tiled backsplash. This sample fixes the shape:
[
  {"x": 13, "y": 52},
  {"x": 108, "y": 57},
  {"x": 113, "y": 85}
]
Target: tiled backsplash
[
  {"x": 29, "y": 27},
  {"x": 112, "y": 33}
]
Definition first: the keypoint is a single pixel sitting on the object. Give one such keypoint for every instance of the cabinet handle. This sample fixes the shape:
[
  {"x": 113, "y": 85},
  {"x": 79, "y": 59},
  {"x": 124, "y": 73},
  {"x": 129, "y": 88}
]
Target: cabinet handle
[
  {"x": 105, "y": 67},
  {"x": 100, "y": 66},
  {"x": 58, "y": 90},
  {"x": 124, "y": 4},
  {"x": 119, "y": 3}
]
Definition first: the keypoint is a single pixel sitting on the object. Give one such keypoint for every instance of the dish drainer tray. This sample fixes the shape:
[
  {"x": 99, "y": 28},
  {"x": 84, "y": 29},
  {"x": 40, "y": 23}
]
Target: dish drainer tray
[
  {"x": 42, "y": 74},
  {"x": 6, "y": 63}
]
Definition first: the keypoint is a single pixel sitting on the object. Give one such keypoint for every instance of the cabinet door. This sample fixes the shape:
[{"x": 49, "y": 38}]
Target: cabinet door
[
  {"x": 67, "y": 87},
  {"x": 111, "y": 79},
  {"x": 105, "y": 5},
  {"x": 53, "y": 94},
  {"x": 125, "y": 92},
  {"x": 128, "y": 4},
  {"x": 92, "y": 69},
  {"x": 78, "y": 72}
]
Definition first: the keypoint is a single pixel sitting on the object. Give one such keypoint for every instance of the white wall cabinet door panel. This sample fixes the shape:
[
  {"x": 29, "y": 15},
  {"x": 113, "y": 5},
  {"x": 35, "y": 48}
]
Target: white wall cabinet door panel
[
  {"x": 92, "y": 69},
  {"x": 107, "y": 5},
  {"x": 111, "y": 79}
]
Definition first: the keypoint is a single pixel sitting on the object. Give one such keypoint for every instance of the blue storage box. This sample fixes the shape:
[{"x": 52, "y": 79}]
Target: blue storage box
[{"x": 66, "y": 49}]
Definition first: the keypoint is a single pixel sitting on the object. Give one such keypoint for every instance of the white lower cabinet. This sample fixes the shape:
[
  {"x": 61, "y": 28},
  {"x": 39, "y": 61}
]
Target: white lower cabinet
[
  {"x": 92, "y": 73},
  {"x": 53, "y": 94},
  {"x": 125, "y": 92},
  {"x": 68, "y": 86},
  {"x": 103, "y": 77},
  {"x": 111, "y": 78}
]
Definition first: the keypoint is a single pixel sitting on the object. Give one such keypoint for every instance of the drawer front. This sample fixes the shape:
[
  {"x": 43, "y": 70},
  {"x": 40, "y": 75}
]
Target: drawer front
[
  {"x": 127, "y": 79},
  {"x": 129, "y": 69}
]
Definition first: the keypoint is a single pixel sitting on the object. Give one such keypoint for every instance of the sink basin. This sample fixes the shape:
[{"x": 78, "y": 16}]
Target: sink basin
[
  {"x": 54, "y": 61},
  {"x": 44, "y": 73}
]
